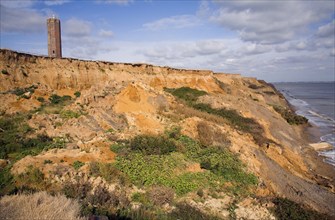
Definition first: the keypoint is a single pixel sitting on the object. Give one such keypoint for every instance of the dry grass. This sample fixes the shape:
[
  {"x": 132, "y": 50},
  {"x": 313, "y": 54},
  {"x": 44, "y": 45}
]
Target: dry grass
[{"x": 38, "y": 206}]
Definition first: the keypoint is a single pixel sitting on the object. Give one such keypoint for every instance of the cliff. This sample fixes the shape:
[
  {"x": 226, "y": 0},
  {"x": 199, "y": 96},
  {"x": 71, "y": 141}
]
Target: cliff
[{"x": 112, "y": 103}]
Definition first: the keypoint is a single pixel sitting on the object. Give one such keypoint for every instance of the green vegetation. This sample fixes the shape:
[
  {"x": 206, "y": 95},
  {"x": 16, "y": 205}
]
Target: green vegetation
[
  {"x": 41, "y": 99},
  {"x": 185, "y": 93},
  {"x": 21, "y": 91},
  {"x": 288, "y": 210},
  {"x": 56, "y": 99},
  {"x": 15, "y": 145},
  {"x": 77, "y": 94},
  {"x": 48, "y": 162},
  {"x": 162, "y": 160},
  {"x": 231, "y": 116},
  {"x": 4, "y": 72},
  {"x": 33, "y": 179},
  {"x": 77, "y": 164},
  {"x": 108, "y": 172},
  {"x": 152, "y": 145},
  {"x": 67, "y": 114},
  {"x": 289, "y": 116}
]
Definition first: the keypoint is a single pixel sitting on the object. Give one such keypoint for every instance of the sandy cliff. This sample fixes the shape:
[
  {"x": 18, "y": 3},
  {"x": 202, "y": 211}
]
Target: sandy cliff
[{"x": 130, "y": 99}]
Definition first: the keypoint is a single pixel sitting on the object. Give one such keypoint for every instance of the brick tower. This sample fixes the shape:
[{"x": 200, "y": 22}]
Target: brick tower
[{"x": 54, "y": 37}]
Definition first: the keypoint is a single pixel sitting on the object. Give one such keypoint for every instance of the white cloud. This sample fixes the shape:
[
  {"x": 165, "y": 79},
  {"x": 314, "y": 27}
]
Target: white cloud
[
  {"x": 55, "y": 2},
  {"x": 22, "y": 20},
  {"x": 77, "y": 28},
  {"x": 327, "y": 30},
  {"x": 177, "y": 22},
  {"x": 116, "y": 2},
  {"x": 270, "y": 22},
  {"x": 106, "y": 33},
  {"x": 17, "y": 3}
]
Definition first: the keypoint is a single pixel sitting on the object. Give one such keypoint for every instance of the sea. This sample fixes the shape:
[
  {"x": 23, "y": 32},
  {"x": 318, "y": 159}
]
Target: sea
[{"x": 315, "y": 101}]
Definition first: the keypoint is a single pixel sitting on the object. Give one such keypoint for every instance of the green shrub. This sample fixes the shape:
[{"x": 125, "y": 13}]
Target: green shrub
[
  {"x": 77, "y": 94},
  {"x": 117, "y": 147},
  {"x": 47, "y": 161},
  {"x": 288, "y": 210},
  {"x": 41, "y": 99},
  {"x": 108, "y": 172},
  {"x": 289, "y": 116},
  {"x": 13, "y": 138},
  {"x": 185, "y": 93},
  {"x": 152, "y": 145},
  {"x": 4, "y": 72},
  {"x": 77, "y": 164},
  {"x": 21, "y": 91},
  {"x": 56, "y": 99},
  {"x": 6, "y": 181},
  {"x": 33, "y": 178},
  {"x": 67, "y": 114}
]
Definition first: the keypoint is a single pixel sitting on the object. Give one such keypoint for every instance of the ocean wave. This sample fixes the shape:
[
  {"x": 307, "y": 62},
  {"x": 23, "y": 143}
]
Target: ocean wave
[{"x": 298, "y": 102}]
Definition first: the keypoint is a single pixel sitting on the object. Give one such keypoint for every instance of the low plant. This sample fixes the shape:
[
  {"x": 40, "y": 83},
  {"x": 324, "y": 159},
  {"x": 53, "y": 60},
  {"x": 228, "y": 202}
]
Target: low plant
[
  {"x": 185, "y": 93},
  {"x": 56, "y": 99},
  {"x": 77, "y": 94},
  {"x": 4, "y": 72},
  {"x": 33, "y": 178},
  {"x": 67, "y": 114},
  {"x": 152, "y": 145},
  {"x": 288, "y": 210},
  {"x": 47, "y": 161},
  {"x": 291, "y": 117},
  {"x": 41, "y": 99},
  {"x": 77, "y": 164},
  {"x": 108, "y": 172}
]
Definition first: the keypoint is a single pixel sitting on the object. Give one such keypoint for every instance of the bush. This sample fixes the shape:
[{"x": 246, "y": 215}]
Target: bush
[
  {"x": 288, "y": 210},
  {"x": 289, "y": 116},
  {"x": 152, "y": 145},
  {"x": 108, "y": 172},
  {"x": 76, "y": 190},
  {"x": 77, "y": 164},
  {"x": 56, "y": 99},
  {"x": 67, "y": 114},
  {"x": 77, "y": 94},
  {"x": 41, "y": 99},
  {"x": 4, "y": 72},
  {"x": 21, "y": 91},
  {"x": 33, "y": 178},
  {"x": 185, "y": 93}
]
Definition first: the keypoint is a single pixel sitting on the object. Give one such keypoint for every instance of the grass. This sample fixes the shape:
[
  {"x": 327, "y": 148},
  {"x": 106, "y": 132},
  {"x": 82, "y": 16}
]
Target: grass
[
  {"x": 38, "y": 205},
  {"x": 289, "y": 116}
]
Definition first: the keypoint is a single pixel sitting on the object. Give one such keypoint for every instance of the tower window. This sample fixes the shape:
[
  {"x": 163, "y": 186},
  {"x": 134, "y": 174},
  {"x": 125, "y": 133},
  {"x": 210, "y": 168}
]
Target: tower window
[{"x": 53, "y": 52}]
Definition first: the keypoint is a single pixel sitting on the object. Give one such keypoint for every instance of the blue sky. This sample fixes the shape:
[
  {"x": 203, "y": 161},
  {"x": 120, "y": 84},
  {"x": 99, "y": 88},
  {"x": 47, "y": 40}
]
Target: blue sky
[{"x": 270, "y": 40}]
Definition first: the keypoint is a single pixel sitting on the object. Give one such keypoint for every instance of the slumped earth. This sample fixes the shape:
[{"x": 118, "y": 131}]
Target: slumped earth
[{"x": 135, "y": 141}]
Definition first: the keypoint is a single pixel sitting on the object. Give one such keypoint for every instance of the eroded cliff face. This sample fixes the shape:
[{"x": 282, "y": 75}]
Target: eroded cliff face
[{"x": 130, "y": 99}]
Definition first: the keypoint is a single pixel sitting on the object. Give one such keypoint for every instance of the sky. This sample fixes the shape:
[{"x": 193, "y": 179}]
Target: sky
[{"x": 277, "y": 41}]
